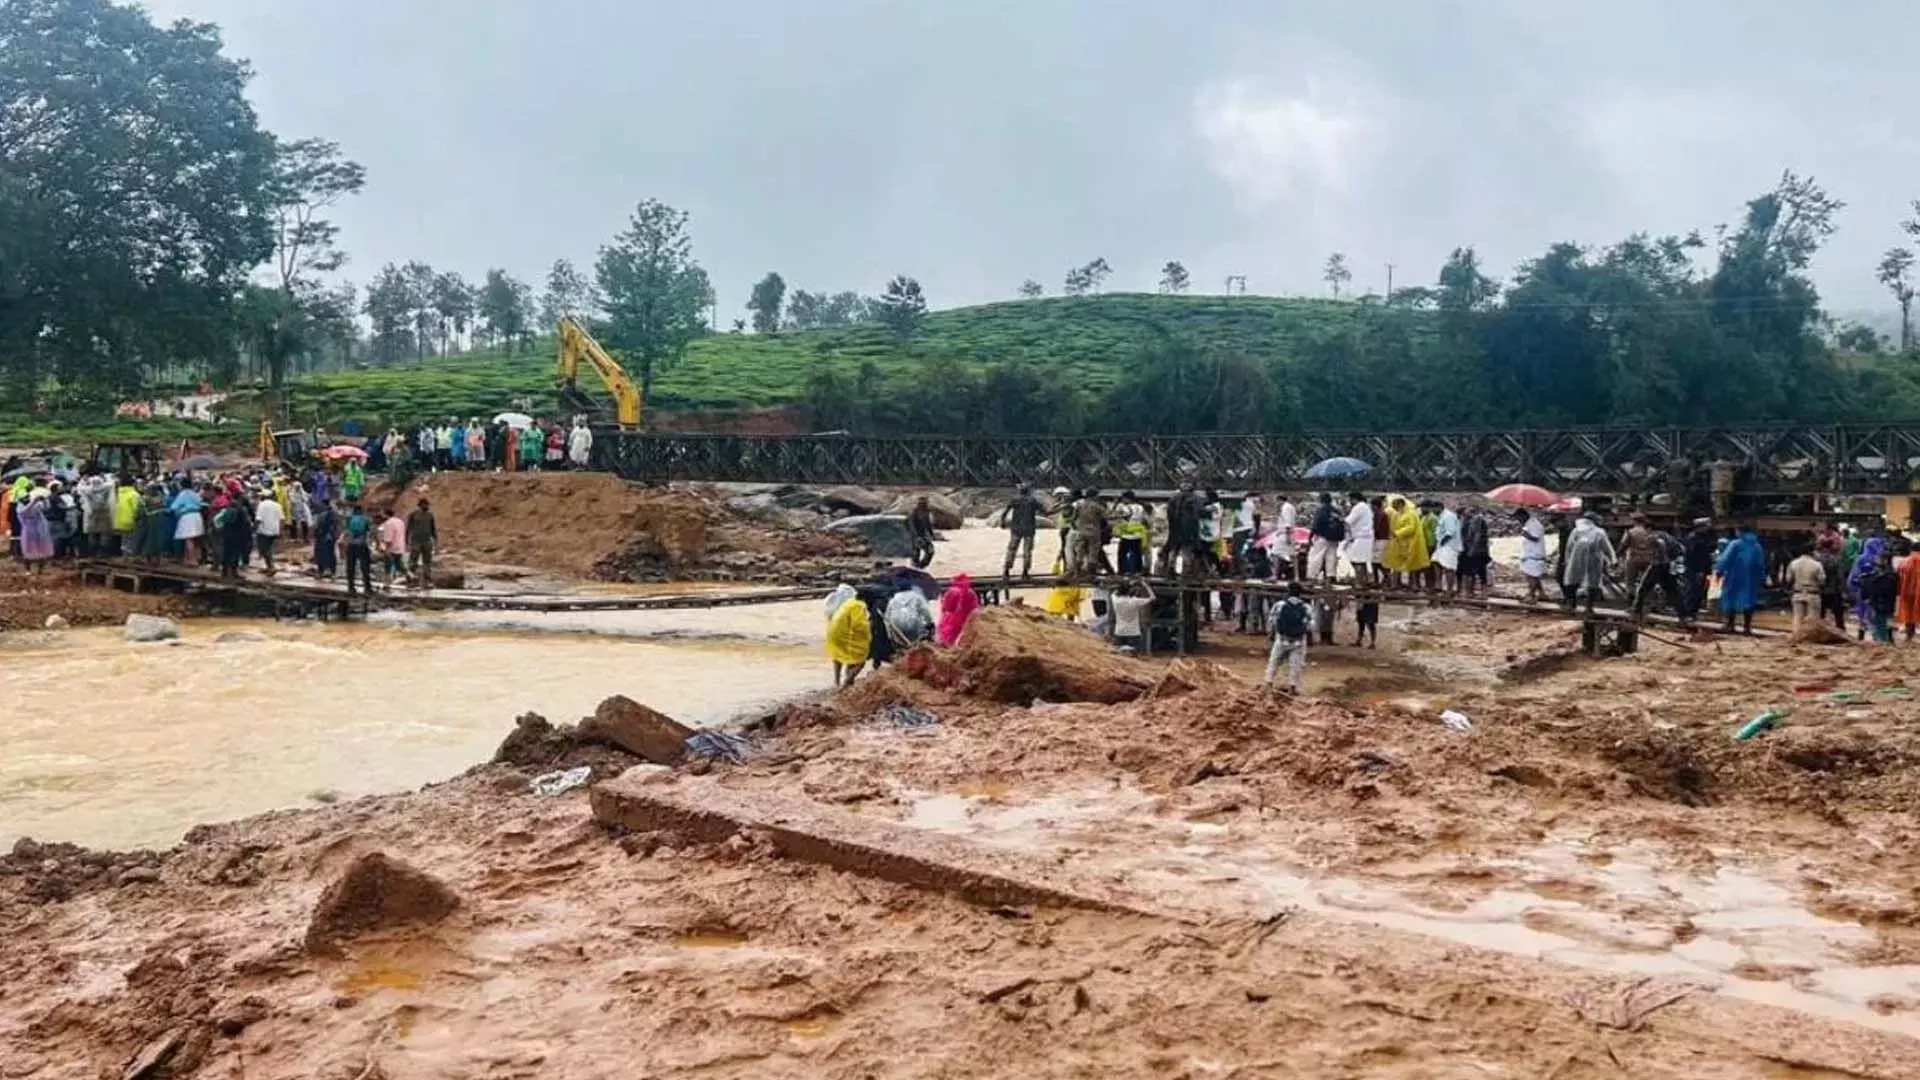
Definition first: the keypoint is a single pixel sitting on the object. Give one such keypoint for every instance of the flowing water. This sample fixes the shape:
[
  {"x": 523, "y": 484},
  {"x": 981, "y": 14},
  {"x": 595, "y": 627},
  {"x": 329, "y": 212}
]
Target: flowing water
[{"x": 121, "y": 745}]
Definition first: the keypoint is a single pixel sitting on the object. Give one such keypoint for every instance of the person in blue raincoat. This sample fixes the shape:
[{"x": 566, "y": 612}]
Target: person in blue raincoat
[{"x": 1742, "y": 567}]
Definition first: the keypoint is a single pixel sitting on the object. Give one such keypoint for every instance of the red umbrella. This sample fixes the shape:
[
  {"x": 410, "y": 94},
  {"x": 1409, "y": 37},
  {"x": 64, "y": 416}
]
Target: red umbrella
[{"x": 1531, "y": 495}]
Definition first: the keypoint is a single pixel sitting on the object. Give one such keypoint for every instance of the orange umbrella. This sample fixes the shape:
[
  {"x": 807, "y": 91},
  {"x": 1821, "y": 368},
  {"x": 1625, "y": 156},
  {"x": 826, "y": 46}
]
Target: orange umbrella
[{"x": 1532, "y": 495}]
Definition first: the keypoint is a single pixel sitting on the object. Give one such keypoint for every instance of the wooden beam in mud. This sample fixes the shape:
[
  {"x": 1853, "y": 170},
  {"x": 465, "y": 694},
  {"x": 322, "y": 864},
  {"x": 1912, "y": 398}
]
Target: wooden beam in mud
[{"x": 648, "y": 799}]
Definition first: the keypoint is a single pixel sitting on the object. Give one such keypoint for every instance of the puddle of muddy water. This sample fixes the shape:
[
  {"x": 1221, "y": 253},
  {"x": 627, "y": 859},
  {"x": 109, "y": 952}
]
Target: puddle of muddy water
[
  {"x": 122, "y": 745},
  {"x": 1736, "y": 930}
]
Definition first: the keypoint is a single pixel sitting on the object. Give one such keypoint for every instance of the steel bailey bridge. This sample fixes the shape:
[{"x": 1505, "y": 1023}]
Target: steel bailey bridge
[{"x": 1769, "y": 460}]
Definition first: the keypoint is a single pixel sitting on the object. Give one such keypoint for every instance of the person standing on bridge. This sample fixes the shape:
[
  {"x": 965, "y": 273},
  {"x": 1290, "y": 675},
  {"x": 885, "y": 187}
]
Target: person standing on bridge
[
  {"x": 188, "y": 524},
  {"x": 1130, "y": 526},
  {"x": 423, "y": 536},
  {"x": 1327, "y": 531},
  {"x": 392, "y": 537},
  {"x": 1285, "y": 519},
  {"x": 36, "y": 537},
  {"x": 1406, "y": 554},
  {"x": 1533, "y": 553},
  {"x": 1021, "y": 519},
  {"x": 1181, "y": 553},
  {"x": 1083, "y": 547},
  {"x": 267, "y": 523},
  {"x": 356, "y": 536},
  {"x": 1476, "y": 552},
  {"x": 1742, "y": 567},
  {"x": 1589, "y": 555},
  {"x": 1360, "y": 540}
]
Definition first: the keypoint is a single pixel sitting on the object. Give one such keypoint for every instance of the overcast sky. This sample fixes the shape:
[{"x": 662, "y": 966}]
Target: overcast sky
[{"x": 974, "y": 143}]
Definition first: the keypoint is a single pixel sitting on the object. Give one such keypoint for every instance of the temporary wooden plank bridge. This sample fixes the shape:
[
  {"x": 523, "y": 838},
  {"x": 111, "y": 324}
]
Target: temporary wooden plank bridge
[{"x": 298, "y": 595}]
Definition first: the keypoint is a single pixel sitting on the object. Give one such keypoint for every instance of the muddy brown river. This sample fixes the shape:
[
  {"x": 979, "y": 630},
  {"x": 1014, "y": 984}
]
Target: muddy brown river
[{"x": 120, "y": 745}]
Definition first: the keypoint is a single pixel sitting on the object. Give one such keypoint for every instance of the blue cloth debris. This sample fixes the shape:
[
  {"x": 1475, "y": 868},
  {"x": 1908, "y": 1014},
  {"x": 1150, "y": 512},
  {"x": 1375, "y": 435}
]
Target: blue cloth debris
[
  {"x": 907, "y": 716},
  {"x": 719, "y": 746}
]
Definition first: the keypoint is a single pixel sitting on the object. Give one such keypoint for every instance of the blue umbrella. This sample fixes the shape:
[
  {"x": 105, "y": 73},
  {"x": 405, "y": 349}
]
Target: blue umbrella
[{"x": 1335, "y": 468}]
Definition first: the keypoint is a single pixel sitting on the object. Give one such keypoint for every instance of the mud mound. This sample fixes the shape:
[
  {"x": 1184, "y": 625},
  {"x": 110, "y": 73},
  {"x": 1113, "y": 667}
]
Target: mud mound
[
  {"x": 537, "y": 745},
  {"x": 597, "y": 525},
  {"x": 1186, "y": 675},
  {"x": 26, "y": 601},
  {"x": 376, "y": 892},
  {"x": 1013, "y": 655}
]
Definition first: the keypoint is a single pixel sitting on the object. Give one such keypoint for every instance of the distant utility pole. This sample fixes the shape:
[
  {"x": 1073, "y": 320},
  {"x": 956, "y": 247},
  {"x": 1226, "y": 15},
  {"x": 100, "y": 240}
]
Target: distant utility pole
[
  {"x": 1236, "y": 284},
  {"x": 1389, "y": 283}
]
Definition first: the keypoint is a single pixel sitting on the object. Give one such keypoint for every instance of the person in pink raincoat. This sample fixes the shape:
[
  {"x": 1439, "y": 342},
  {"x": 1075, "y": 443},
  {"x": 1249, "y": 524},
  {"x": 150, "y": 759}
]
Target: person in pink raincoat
[{"x": 957, "y": 605}]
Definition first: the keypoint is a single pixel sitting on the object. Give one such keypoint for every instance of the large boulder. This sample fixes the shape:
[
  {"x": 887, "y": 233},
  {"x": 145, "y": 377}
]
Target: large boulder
[
  {"x": 623, "y": 722},
  {"x": 946, "y": 513},
  {"x": 151, "y": 628},
  {"x": 1020, "y": 656},
  {"x": 377, "y": 891},
  {"x": 885, "y": 535},
  {"x": 857, "y": 500}
]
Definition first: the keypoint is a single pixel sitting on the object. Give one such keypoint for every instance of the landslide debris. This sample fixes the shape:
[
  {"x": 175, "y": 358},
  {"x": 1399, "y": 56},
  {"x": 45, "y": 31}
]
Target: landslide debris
[{"x": 1018, "y": 656}]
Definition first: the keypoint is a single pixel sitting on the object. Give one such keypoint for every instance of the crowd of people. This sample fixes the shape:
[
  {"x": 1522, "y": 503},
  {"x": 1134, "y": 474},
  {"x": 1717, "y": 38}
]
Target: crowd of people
[
  {"x": 222, "y": 520},
  {"x": 508, "y": 443}
]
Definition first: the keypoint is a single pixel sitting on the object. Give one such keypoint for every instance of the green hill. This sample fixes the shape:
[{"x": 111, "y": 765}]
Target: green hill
[{"x": 1084, "y": 339}]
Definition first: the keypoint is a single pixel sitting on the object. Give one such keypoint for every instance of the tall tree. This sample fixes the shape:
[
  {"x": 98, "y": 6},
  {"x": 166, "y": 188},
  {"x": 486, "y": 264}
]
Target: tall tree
[
  {"x": 1896, "y": 273},
  {"x": 1097, "y": 273},
  {"x": 505, "y": 308},
  {"x": 769, "y": 296},
  {"x": 420, "y": 279},
  {"x": 389, "y": 309},
  {"x": 1173, "y": 277},
  {"x": 1336, "y": 274},
  {"x": 652, "y": 290},
  {"x": 902, "y": 306},
  {"x": 136, "y": 191},
  {"x": 1078, "y": 282},
  {"x": 1031, "y": 290},
  {"x": 309, "y": 177},
  {"x": 453, "y": 304},
  {"x": 567, "y": 293}
]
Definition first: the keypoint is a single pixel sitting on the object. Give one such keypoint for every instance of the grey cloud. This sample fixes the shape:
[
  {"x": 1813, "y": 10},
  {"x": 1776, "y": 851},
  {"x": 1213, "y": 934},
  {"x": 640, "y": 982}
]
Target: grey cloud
[{"x": 975, "y": 144}]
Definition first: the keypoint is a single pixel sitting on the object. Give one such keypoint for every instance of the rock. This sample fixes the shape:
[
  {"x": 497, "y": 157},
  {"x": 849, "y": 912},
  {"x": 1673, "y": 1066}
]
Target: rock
[
  {"x": 761, "y": 506},
  {"x": 856, "y": 499},
  {"x": 1819, "y": 633},
  {"x": 57, "y": 622},
  {"x": 249, "y": 1011},
  {"x": 375, "y": 892},
  {"x": 1017, "y": 656},
  {"x": 448, "y": 574},
  {"x": 885, "y": 535},
  {"x": 631, "y": 726},
  {"x": 946, "y": 513},
  {"x": 238, "y": 637},
  {"x": 151, "y": 628},
  {"x": 155, "y": 1055},
  {"x": 135, "y": 875}
]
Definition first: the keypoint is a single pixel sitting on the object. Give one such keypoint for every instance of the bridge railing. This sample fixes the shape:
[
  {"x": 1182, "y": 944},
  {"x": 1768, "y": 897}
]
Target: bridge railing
[{"x": 1785, "y": 459}]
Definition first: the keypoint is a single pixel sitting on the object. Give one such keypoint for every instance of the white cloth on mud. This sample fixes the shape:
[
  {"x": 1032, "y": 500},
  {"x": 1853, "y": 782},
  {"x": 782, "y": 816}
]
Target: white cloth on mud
[
  {"x": 1533, "y": 547},
  {"x": 840, "y": 595},
  {"x": 910, "y": 616},
  {"x": 1589, "y": 553}
]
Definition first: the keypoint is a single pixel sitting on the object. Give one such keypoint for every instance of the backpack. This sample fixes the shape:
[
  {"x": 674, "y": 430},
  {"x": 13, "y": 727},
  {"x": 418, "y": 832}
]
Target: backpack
[{"x": 1290, "y": 618}]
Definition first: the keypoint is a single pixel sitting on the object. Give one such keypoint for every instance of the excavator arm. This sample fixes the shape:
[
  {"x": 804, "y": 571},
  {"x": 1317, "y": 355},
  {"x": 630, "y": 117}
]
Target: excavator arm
[{"x": 577, "y": 345}]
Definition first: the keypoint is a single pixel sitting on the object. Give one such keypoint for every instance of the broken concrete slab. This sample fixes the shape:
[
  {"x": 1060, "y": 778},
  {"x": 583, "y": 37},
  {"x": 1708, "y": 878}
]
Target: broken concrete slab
[
  {"x": 702, "y": 809},
  {"x": 648, "y": 733}
]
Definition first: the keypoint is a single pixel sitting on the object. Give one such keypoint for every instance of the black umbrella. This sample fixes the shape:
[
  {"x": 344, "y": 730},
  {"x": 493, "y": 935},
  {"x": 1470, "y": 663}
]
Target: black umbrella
[{"x": 197, "y": 462}]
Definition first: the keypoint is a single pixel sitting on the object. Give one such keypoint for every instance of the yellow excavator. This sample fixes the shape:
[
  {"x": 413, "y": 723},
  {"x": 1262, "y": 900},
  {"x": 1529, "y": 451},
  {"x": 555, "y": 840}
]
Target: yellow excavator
[{"x": 577, "y": 345}]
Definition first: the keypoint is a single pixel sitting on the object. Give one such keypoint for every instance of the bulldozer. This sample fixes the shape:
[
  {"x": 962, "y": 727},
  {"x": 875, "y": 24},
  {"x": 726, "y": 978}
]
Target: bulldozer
[
  {"x": 293, "y": 446},
  {"x": 576, "y": 344}
]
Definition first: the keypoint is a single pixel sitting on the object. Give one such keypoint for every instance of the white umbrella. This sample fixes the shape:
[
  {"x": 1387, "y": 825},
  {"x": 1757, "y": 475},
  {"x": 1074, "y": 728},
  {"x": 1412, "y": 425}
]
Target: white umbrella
[{"x": 514, "y": 419}]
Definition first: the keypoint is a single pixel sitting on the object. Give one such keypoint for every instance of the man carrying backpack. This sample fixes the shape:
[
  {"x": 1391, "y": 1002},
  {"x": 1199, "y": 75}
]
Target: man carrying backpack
[{"x": 1291, "y": 619}]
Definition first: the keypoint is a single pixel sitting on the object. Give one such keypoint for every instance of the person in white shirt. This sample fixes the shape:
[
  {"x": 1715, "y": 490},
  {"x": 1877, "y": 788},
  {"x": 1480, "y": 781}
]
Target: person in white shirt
[
  {"x": 579, "y": 444},
  {"x": 266, "y": 529},
  {"x": 1129, "y": 608},
  {"x": 1283, "y": 540},
  {"x": 1359, "y": 549}
]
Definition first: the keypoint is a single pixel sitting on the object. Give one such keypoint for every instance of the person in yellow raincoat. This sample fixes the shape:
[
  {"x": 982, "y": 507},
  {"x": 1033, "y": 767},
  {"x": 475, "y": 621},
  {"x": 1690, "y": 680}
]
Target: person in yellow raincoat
[
  {"x": 849, "y": 636},
  {"x": 1406, "y": 553},
  {"x": 126, "y": 515}
]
